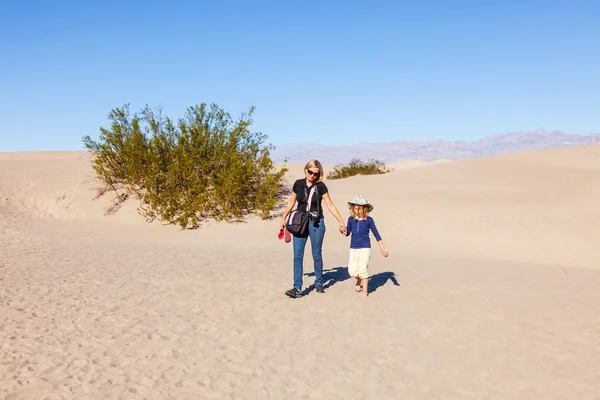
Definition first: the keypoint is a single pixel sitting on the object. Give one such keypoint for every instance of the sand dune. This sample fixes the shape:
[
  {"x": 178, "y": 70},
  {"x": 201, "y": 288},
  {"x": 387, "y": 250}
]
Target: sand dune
[
  {"x": 490, "y": 290},
  {"x": 541, "y": 206}
]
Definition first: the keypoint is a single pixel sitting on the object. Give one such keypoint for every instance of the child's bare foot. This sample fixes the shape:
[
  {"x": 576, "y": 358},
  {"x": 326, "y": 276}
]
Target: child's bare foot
[
  {"x": 358, "y": 284},
  {"x": 364, "y": 296}
]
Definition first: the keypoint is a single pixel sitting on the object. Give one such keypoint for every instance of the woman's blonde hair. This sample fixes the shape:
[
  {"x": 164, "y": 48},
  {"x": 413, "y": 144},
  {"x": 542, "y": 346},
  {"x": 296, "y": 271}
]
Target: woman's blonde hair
[
  {"x": 364, "y": 208},
  {"x": 315, "y": 164}
]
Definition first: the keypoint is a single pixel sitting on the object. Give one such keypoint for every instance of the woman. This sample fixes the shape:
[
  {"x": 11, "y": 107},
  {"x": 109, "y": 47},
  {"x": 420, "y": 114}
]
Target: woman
[{"x": 313, "y": 172}]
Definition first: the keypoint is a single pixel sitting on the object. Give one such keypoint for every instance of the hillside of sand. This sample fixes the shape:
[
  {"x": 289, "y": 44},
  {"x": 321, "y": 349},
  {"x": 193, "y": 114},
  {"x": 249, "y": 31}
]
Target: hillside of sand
[{"x": 489, "y": 291}]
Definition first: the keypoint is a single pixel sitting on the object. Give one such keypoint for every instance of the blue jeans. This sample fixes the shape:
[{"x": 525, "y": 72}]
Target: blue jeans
[{"x": 316, "y": 232}]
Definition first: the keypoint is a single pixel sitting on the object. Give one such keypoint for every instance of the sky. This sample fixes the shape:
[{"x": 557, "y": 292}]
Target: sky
[{"x": 328, "y": 72}]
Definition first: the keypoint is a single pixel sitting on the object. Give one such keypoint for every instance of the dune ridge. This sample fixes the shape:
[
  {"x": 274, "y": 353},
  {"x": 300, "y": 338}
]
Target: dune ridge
[{"x": 489, "y": 291}]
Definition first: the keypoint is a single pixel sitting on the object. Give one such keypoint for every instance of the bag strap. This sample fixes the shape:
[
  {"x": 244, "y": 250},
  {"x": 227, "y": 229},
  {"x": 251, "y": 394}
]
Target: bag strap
[
  {"x": 318, "y": 194},
  {"x": 312, "y": 191}
]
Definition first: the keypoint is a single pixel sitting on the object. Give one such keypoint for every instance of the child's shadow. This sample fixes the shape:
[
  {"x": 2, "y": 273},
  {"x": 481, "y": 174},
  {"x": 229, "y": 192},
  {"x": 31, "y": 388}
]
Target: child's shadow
[
  {"x": 380, "y": 279},
  {"x": 340, "y": 274}
]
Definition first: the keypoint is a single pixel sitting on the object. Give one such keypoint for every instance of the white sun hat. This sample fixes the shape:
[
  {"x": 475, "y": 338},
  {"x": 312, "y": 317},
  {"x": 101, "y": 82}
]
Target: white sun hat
[{"x": 361, "y": 200}]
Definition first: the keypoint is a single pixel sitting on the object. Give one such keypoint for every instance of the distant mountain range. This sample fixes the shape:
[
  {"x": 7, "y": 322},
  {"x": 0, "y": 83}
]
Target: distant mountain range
[{"x": 397, "y": 151}]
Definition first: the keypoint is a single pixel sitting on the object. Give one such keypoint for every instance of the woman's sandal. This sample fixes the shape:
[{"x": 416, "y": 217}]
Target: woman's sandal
[{"x": 358, "y": 288}]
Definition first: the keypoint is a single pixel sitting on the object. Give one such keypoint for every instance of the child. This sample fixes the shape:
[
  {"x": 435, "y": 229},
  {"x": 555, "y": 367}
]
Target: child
[{"x": 359, "y": 225}]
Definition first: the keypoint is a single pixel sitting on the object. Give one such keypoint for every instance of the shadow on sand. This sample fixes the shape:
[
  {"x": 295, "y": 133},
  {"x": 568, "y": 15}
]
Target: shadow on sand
[
  {"x": 380, "y": 279},
  {"x": 330, "y": 278},
  {"x": 340, "y": 274}
]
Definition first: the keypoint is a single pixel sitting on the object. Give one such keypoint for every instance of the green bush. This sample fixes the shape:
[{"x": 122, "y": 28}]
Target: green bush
[
  {"x": 358, "y": 167},
  {"x": 204, "y": 165}
]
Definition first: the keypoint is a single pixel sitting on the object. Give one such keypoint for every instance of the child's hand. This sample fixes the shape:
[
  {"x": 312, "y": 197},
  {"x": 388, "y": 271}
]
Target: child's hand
[{"x": 384, "y": 252}]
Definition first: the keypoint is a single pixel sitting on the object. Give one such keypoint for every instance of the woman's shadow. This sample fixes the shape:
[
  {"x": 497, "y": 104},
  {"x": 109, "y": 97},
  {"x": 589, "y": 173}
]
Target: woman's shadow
[{"x": 340, "y": 274}]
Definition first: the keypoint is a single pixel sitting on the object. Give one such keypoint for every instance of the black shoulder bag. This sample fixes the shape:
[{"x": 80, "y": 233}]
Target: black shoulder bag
[{"x": 298, "y": 220}]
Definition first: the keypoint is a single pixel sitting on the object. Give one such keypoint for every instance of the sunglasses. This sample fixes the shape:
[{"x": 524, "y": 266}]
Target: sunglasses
[{"x": 308, "y": 171}]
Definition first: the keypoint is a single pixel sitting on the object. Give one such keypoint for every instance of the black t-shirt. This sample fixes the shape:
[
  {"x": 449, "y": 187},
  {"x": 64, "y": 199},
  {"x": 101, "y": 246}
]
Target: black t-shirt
[{"x": 301, "y": 198}]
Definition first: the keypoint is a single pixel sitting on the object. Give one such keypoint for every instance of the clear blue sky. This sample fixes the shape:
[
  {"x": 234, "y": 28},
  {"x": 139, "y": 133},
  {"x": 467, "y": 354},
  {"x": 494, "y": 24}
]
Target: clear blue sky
[{"x": 331, "y": 72}]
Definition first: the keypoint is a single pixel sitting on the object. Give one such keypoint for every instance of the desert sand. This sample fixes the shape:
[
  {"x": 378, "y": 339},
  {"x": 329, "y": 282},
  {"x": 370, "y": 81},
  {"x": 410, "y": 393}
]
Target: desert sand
[{"x": 491, "y": 290}]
